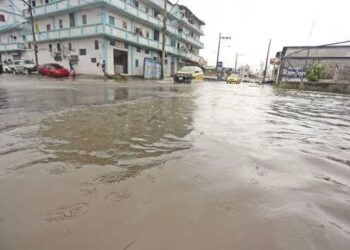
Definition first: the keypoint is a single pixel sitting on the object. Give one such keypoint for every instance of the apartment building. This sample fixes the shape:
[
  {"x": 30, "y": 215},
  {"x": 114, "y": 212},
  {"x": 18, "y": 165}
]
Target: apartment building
[{"x": 120, "y": 32}]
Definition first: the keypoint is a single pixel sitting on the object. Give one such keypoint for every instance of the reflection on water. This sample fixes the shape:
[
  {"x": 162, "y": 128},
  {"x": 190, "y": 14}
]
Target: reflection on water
[
  {"x": 4, "y": 103},
  {"x": 130, "y": 134}
]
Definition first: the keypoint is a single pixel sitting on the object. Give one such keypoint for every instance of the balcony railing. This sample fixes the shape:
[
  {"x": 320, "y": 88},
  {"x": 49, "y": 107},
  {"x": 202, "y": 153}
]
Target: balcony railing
[
  {"x": 61, "y": 6},
  {"x": 100, "y": 29},
  {"x": 11, "y": 46},
  {"x": 191, "y": 40}
]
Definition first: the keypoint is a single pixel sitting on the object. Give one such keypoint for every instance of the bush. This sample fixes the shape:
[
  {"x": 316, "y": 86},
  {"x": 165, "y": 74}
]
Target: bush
[{"x": 316, "y": 73}]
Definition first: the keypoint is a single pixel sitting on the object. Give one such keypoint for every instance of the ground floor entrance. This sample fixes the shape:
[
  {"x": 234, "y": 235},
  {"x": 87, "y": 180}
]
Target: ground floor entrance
[{"x": 120, "y": 61}]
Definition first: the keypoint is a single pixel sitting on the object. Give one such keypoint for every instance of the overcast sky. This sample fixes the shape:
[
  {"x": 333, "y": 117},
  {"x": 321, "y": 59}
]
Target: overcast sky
[{"x": 251, "y": 23}]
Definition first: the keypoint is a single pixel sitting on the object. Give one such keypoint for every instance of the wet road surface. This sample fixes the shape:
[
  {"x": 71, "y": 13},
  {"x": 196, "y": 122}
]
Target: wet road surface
[{"x": 101, "y": 165}]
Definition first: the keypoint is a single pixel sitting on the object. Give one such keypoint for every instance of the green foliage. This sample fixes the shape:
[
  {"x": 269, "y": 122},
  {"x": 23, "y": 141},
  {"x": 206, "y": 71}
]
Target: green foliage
[{"x": 316, "y": 73}]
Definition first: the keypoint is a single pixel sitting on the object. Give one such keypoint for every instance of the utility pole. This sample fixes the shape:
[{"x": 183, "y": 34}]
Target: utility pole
[
  {"x": 162, "y": 73},
  {"x": 164, "y": 29},
  {"x": 236, "y": 63},
  {"x": 218, "y": 55},
  {"x": 30, "y": 10},
  {"x": 267, "y": 60}
]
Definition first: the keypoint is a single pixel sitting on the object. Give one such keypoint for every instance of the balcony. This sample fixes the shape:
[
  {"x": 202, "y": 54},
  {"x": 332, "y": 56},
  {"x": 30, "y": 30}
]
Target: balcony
[
  {"x": 100, "y": 30},
  {"x": 11, "y": 47},
  {"x": 160, "y": 5},
  {"x": 118, "y": 5},
  {"x": 191, "y": 40},
  {"x": 189, "y": 56}
]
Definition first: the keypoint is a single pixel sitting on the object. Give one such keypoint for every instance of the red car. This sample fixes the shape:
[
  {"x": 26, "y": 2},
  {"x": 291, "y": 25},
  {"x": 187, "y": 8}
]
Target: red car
[{"x": 53, "y": 69}]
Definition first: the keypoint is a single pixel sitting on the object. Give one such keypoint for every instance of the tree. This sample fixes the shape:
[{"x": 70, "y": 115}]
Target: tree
[{"x": 316, "y": 73}]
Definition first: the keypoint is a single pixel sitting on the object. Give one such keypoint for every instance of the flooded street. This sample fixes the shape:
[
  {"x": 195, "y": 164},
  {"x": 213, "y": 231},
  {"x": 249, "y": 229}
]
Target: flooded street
[{"x": 103, "y": 165}]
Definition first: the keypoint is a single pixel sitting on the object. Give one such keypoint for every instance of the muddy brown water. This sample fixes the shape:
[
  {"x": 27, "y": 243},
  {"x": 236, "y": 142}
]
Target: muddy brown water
[{"x": 104, "y": 165}]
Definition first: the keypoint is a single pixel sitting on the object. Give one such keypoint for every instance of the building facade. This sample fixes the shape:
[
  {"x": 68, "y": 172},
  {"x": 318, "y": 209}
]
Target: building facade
[{"x": 120, "y": 32}]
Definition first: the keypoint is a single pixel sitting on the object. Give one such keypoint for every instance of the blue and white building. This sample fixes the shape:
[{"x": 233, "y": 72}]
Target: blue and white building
[{"x": 120, "y": 32}]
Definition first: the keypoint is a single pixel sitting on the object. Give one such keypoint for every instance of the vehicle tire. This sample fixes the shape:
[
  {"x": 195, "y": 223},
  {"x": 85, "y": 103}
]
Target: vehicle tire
[{"x": 14, "y": 72}]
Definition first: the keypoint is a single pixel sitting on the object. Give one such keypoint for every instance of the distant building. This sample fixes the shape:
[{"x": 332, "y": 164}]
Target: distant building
[
  {"x": 296, "y": 61},
  {"x": 123, "y": 33}
]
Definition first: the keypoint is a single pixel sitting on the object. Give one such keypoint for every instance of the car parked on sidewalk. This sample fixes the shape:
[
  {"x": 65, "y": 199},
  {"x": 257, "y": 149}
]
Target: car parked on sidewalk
[
  {"x": 23, "y": 66},
  {"x": 189, "y": 73},
  {"x": 53, "y": 69}
]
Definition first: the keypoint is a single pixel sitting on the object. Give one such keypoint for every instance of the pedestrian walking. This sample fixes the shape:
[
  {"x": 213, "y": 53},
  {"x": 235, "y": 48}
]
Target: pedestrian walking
[
  {"x": 103, "y": 66},
  {"x": 72, "y": 70}
]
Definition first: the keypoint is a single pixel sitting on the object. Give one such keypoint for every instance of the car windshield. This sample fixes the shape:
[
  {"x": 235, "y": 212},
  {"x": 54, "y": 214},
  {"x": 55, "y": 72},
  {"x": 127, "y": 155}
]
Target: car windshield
[
  {"x": 189, "y": 69},
  {"x": 234, "y": 75},
  {"x": 56, "y": 66},
  {"x": 28, "y": 61}
]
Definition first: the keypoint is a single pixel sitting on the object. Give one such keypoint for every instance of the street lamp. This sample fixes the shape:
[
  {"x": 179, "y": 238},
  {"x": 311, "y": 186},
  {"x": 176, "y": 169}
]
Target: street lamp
[{"x": 220, "y": 38}]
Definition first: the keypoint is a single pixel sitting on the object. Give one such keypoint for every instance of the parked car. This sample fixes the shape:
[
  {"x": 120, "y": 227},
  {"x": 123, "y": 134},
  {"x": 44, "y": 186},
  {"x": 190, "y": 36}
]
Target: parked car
[
  {"x": 16, "y": 67},
  {"x": 53, "y": 69},
  {"x": 233, "y": 78},
  {"x": 29, "y": 66},
  {"x": 1, "y": 68},
  {"x": 245, "y": 78},
  {"x": 6, "y": 67},
  {"x": 21, "y": 66},
  {"x": 189, "y": 73}
]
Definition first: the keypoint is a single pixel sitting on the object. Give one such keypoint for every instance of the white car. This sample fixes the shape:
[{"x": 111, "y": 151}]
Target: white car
[
  {"x": 245, "y": 78},
  {"x": 6, "y": 67},
  {"x": 22, "y": 66}
]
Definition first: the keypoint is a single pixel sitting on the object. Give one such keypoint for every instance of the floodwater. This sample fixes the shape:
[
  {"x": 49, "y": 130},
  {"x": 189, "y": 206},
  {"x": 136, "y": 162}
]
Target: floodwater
[{"x": 104, "y": 165}]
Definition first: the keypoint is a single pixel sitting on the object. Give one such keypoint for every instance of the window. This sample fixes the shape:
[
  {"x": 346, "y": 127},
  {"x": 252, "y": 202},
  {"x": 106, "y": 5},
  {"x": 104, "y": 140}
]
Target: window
[
  {"x": 82, "y": 52},
  {"x": 70, "y": 46},
  {"x": 60, "y": 24},
  {"x": 138, "y": 31},
  {"x": 147, "y": 51},
  {"x": 84, "y": 19},
  {"x": 50, "y": 47},
  {"x": 46, "y": 1},
  {"x": 147, "y": 34},
  {"x": 136, "y": 63},
  {"x": 93, "y": 60},
  {"x": 96, "y": 45},
  {"x": 125, "y": 25},
  {"x": 48, "y": 27},
  {"x": 112, "y": 42},
  {"x": 58, "y": 47},
  {"x": 71, "y": 20},
  {"x": 138, "y": 49},
  {"x": 33, "y": 4},
  {"x": 2, "y": 18},
  {"x": 147, "y": 10},
  {"x": 156, "y": 35},
  {"x": 136, "y": 3},
  {"x": 111, "y": 20},
  {"x": 29, "y": 46}
]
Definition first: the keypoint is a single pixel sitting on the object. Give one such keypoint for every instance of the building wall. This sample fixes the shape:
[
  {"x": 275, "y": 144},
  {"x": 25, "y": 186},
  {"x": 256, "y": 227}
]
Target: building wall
[{"x": 98, "y": 15}]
